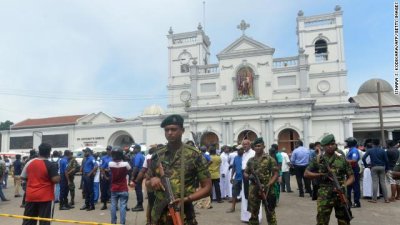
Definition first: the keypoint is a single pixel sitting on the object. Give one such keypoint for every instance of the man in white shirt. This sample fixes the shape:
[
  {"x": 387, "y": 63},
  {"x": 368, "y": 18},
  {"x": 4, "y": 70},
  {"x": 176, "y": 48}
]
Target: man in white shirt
[
  {"x": 232, "y": 154},
  {"x": 285, "y": 184},
  {"x": 224, "y": 172}
]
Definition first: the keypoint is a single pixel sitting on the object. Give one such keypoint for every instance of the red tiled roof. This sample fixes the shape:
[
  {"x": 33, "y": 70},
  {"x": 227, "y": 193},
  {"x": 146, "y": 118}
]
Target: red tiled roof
[{"x": 46, "y": 122}]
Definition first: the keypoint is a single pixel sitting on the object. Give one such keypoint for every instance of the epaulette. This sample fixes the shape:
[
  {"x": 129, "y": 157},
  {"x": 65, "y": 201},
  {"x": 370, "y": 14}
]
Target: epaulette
[{"x": 191, "y": 148}]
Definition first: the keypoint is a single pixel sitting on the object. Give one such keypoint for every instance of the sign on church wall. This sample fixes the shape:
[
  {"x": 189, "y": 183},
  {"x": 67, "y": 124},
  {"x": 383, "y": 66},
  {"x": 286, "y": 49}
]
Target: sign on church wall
[
  {"x": 208, "y": 87},
  {"x": 287, "y": 80}
]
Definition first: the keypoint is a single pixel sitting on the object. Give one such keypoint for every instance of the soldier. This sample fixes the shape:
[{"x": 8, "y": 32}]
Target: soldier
[
  {"x": 317, "y": 169},
  {"x": 266, "y": 169},
  {"x": 72, "y": 168},
  {"x": 169, "y": 159}
]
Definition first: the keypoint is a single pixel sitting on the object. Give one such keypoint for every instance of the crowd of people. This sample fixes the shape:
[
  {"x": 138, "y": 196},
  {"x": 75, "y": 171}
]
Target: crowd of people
[{"x": 250, "y": 173}]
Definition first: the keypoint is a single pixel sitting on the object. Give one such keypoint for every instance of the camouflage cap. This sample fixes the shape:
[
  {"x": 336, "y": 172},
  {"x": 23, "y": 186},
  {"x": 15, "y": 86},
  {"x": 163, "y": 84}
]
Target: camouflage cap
[
  {"x": 258, "y": 141},
  {"x": 327, "y": 139},
  {"x": 174, "y": 119}
]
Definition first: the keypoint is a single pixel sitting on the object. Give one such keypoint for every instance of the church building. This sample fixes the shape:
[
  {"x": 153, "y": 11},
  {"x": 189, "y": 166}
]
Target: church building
[{"x": 248, "y": 93}]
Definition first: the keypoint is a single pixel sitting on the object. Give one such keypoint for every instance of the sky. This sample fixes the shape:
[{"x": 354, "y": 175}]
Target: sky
[{"x": 70, "y": 57}]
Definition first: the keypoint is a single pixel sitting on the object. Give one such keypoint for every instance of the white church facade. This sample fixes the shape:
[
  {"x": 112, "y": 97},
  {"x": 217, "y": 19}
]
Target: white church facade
[{"x": 249, "y": 93}]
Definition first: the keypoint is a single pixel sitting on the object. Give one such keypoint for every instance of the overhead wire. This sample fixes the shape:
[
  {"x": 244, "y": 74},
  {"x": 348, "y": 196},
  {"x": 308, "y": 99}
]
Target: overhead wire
[{"x": 77, "y": 96}]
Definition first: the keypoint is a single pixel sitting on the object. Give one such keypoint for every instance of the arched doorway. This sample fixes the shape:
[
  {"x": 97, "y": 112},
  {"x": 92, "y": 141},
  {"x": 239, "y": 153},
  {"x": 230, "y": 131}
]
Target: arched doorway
[
  {"x": 121, "y": 138},
  {"x": 209, "y": 138},
  {"x": 247, "y": 134},
  {"x": 287, "y": 138}
]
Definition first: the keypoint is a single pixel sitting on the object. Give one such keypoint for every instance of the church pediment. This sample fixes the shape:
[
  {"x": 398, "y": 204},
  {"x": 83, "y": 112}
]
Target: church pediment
[
  {"x": 96, "y": 118},
  {"x": 245, "y": 46}
]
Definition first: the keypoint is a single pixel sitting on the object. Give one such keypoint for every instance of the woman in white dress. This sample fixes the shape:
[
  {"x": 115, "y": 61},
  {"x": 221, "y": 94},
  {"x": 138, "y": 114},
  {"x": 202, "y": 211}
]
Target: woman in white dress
[{"x": 367, "y": 178}]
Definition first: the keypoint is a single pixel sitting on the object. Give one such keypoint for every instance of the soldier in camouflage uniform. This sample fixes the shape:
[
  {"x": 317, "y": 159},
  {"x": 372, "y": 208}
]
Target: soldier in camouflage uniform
[
  {"x": 70, "y": 171},
  {"x": 327, "y": 198},
  {"x": 265, "y": 167},
  {"x": 170, "y": 159}
]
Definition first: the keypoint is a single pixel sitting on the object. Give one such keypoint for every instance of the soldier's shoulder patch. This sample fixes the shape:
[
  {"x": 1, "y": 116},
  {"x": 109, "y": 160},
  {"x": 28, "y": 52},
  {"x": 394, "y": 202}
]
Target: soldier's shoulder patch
[{"x": 191, "y": 148}]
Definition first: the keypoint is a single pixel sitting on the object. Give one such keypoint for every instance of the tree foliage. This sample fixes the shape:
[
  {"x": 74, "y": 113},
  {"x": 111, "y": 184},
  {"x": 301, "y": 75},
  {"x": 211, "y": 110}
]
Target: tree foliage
[{"x": 5, "y": 125}]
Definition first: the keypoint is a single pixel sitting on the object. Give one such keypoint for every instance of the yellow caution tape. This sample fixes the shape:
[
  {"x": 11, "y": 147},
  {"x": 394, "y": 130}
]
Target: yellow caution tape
[{"x": 54, "y": 220}]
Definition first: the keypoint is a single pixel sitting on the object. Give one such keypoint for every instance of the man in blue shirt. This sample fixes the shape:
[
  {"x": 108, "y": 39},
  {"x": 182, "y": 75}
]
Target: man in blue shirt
[
  {"x": 137, "y": 163},
  {"x": 105, "y": 180},
  {"x": 353, "y": 156},
  {"x": 300, "y": 159},
  {"x": 64, "y": 182},
  {"x": 379, "y": 167},
  {"x": 89, "y": 170},
  {"x": 237, "y": 181}
]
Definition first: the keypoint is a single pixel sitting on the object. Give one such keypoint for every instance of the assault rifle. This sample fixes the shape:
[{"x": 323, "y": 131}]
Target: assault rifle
[
  {"x": 173, "y": 209},
  {"x": 342, "y": 197},
  {"x": 262, "y": 192}
]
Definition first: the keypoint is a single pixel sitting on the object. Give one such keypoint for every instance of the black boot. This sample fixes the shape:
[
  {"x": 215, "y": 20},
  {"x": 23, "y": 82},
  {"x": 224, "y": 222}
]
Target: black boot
[
  {"x": 138, "y": 208},
  {"x": 104, "y": 206},
  {"x": 72, "y": 192},
  {"x": 63, "y": 205}
]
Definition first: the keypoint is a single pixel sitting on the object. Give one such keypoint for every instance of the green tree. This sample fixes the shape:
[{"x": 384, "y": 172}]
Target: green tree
[{"x": 5, "y": 125}]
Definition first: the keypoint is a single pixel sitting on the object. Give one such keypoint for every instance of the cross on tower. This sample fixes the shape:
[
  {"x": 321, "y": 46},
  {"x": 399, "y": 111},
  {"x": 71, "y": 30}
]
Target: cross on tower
[{"x": 243, "y": 26}]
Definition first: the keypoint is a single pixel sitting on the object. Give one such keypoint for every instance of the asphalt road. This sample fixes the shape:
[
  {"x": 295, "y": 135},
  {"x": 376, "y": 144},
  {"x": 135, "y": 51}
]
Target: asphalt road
[{"x": 291, "y": 210}]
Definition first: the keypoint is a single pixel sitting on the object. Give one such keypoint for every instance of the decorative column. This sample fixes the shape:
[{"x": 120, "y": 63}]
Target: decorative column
[
  {"x": 145, "y": 135},
  {"x": 303, "y": 74},
  {"x": 390, "y": 134},
  {"x": 230, "y": 132},
  {"x": 348, "y": 131},
  {"x": 37, "y": 138},
  {"x": 194, "y": 71},
  {"x": 263, "y": 125},
  {"x": 306, "y": 130},
  {"x": 223, "y": 132},
  {"x": 5, "y": 141},
  {"x": 270, "y": 130}
]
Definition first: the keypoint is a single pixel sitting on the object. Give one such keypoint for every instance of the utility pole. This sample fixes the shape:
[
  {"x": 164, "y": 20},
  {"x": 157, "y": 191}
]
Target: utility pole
[{"x": 381, "y": 114}]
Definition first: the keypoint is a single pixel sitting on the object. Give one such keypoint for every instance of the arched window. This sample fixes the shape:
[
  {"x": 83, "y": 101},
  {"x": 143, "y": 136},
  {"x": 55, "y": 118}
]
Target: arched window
[{"x": 321, "y": 51}]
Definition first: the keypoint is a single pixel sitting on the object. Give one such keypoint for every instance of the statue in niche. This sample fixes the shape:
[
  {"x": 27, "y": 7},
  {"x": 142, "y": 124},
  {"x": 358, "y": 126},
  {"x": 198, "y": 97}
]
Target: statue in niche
[{"x": 244, "y": 82}]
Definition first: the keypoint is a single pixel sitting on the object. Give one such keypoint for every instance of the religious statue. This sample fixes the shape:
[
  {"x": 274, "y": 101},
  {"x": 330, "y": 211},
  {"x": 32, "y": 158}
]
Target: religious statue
[{"x": 244, "y": 82}]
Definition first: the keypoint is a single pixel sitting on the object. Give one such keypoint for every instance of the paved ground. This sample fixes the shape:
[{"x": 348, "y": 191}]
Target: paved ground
[{"x": 291, "y": 210}]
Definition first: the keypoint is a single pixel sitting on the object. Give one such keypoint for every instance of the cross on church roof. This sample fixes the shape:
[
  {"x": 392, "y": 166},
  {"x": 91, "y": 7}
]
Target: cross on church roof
[{"x": 243, "y": 26}]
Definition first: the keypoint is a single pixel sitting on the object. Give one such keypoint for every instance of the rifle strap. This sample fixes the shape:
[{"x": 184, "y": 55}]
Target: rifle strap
[{"x": 182, "y": 172}]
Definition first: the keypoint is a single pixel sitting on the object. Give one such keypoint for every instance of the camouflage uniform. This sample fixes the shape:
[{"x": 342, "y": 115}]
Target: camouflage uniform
[
  {"x": 264, "y": 167},
  {"x": 72, "y": 165},
  {"x": 196, "y": 169},
  {"x": 327, "y": 198}
]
